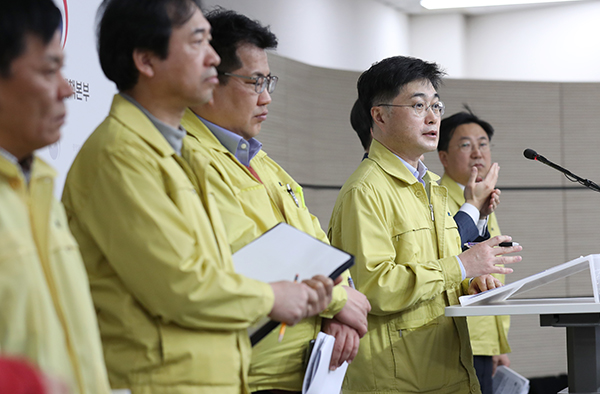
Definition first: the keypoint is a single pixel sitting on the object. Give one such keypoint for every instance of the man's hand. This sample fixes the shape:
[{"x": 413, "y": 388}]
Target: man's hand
[
  {"x": 346, "y": 344},
  {"x": 491, "y": 204},
  {"x": 296, "y": 301},
  {"x": 354, "y": 313},
  {"x": 483, "y": 283},
  {"x": 477, "y": 190},
  {"x": 483, "y": 258},
  {"x": 323, "y": 286},
  {"x": 500, "y": 360}
]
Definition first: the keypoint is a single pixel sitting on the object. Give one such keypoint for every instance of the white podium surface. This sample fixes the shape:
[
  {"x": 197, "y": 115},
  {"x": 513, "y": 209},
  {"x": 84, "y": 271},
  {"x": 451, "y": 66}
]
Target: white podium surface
[
  {"x": 581, "y": 318},
  {"x": 539, "y": 306}
]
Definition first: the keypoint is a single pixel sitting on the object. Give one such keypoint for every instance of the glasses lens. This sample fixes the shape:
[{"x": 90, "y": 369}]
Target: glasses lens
[
  {"x": 260, "y": 84},
  {"x": 438, "y": 108},
  {"x": 272, "y": 84},
  {"x": 420, "y": 109}
]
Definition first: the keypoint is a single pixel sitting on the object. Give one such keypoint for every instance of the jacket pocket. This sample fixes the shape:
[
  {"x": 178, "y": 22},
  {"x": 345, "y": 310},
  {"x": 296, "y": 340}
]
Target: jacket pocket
[
  {"x": 427, "y": 358},
  {"x": 198, "y": 358}
]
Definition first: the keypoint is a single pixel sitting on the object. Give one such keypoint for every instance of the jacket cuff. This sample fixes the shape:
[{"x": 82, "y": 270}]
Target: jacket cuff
[
  {"x": 267, "y": 301},
  {"x": 339, "y": 296},
  {"x": 451, "y": 271}
]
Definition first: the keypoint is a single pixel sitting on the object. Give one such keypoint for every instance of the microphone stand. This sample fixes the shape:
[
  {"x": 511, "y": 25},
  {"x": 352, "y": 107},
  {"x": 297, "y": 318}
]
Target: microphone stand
[{"x": 569, "y": 175}]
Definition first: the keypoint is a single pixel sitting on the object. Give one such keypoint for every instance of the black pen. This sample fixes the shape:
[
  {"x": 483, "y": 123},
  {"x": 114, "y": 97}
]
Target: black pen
[{"x": 469, "y": 245}]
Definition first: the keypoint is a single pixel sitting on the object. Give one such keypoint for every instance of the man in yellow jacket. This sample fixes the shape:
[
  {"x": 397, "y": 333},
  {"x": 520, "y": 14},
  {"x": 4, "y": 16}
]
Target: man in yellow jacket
[
  {"x": 394, "y": 218},
  {"x": 172, "y": 312},
  {"x": 46, "y": 312},
  {"x": 464, "y": 150},
  {"x": 254, "y": 193}
]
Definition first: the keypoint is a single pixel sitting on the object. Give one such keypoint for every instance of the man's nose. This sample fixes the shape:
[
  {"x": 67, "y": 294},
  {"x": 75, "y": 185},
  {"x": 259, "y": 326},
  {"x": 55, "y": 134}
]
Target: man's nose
[{"x": 264, "y": 98}]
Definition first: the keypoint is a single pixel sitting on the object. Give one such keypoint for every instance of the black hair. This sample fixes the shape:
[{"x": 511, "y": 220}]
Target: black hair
[
  {"x": 384, "y": 80},
  {"x": 361, "y": 123},
  {"x": 231, "y": 30},
  {"x": 18, "y": 18},
  {"x": 450, "y": 124},
  {"x": 127, "y": 25}
]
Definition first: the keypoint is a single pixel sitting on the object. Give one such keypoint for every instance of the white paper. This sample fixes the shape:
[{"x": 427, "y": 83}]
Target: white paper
[
  {"x": 318, "y": 379},
  {"x": 507, "y": 381},
  {"x": 284, "y": 252}
]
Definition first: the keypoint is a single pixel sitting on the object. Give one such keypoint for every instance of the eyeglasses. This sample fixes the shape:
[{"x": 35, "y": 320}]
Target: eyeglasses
[
  {"x": 260, "y": 83},
  {"x": 467, "y": 146},
  {"x": 421, "y": 108}
]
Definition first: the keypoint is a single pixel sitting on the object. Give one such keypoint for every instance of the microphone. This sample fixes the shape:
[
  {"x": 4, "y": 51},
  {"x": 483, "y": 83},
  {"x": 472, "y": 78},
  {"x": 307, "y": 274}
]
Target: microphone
[{"x": 532, "y": 155}]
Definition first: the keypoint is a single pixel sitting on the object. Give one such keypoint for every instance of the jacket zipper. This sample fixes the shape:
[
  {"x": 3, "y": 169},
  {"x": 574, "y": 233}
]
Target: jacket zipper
[{"x": 431, "y": 209}]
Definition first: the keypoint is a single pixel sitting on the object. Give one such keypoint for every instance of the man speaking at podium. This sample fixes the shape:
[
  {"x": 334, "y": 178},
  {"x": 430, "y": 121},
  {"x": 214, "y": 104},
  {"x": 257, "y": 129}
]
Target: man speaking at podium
[
  {"x": 393, "y": 216},
  {"x": 464, "y": 150}
]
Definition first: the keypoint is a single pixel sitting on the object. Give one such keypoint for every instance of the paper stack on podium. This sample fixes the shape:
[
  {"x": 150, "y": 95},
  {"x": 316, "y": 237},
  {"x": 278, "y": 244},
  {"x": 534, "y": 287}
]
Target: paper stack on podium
[
  {"x": 318, "y": 378},
  {"x": 281, "y": 253},
  {"x": 591, "y": 263}
]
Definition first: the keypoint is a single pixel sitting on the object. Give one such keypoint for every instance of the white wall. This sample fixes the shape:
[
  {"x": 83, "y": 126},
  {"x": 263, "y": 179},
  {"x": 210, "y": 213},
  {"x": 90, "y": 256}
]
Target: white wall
[
  {"x": 557, "y": 43},
  {"x": 553, "y": 43},
  {"x": 442, "y": 39},
  {"x": 342, "y": 34}
]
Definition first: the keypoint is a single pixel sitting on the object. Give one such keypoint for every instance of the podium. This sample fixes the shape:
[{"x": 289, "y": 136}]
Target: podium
[{"x": 580, "y": 316}]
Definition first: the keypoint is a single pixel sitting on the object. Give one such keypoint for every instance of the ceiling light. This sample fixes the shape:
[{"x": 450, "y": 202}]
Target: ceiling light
[{"x": 443, "y": 4}]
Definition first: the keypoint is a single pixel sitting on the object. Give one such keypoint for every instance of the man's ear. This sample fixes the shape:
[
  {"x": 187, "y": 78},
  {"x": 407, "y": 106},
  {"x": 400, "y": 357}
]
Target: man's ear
[
  {"x": 379, "y": 116},
  {"x": 443, "y": 158},
  {"x": 144, "y": 62}
]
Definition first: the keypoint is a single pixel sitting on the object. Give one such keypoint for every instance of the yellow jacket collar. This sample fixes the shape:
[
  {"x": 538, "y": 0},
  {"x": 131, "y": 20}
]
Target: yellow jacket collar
[
  {"x": 454, "y": 190},
  {"x": 137, "y": 122},
  {"x": 40, "y": 169},
  {"x": 390, "y": 163},
  {"x": 198, "y": 130}
]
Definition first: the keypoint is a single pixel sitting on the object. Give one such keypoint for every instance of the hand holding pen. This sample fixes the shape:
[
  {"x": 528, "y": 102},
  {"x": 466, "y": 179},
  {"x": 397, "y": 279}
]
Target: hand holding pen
[
  {"x": 485, "y": 257},
  {"x": 296, "y": 301}
]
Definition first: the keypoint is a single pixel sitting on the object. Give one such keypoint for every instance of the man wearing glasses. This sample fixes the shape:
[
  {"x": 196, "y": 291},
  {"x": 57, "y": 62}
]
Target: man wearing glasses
[
  {"x": 254, "y": 193},
  {"x": 393, "y": 217},
  {"x": 464, "y": 150}
]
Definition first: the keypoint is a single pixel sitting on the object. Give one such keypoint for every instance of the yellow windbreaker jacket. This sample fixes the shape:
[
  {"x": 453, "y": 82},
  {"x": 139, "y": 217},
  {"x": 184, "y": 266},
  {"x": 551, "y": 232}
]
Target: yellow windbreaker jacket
[
  {"x": 405, "y": 246},
  {"x": 172, "y": 312},
  {"x": 46, "y": 312},
  {"x": 489, "y": 334},
  {"x": 249, "y": 208}
]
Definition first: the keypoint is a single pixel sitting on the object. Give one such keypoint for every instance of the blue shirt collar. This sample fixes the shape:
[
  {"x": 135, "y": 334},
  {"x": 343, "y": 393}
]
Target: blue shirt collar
[
  {"x": 418, "y": 172},
  {"x": 243, "y": 150}
]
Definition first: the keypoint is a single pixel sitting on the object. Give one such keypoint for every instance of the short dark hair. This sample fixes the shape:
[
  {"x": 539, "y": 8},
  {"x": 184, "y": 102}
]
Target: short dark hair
[
  {"x": 18, "y": 18},
  {"x": 361, "y": 123},
  {"x": 127, "y": 25},
  {"x": 384, "y": 80},
  {"x": 450, "y": 124},
  {"x": 231, "y": 30}
]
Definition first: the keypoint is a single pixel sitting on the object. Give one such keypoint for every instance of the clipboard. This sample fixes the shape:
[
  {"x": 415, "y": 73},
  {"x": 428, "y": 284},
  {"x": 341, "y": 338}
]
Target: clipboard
[
  {"x": 281, "y": 253},
  {"x": 590, "y": 263}
]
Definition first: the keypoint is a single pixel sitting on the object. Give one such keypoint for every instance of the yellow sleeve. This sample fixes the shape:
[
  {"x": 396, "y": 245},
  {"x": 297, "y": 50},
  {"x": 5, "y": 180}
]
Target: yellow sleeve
[
  {"x": 176, "y": 274},
  {"x": 359, "y": 226}
]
